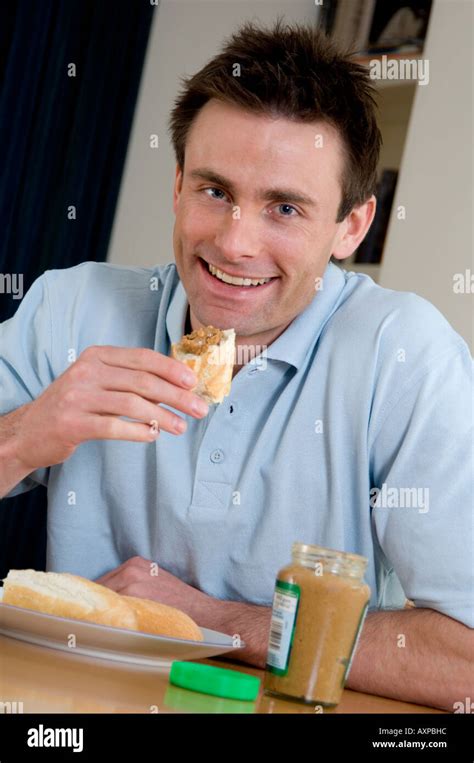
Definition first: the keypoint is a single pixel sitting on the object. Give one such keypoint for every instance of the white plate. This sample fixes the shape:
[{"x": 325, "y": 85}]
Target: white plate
[{"x": 106, "y": 642}]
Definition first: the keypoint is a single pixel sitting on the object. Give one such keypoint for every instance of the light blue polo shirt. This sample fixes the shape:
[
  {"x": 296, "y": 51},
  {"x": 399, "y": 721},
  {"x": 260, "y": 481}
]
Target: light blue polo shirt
[{"x": 356, "y": 433}]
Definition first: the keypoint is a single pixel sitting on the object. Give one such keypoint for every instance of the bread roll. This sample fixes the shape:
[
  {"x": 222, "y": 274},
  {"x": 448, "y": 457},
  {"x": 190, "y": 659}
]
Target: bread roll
[
  {"x": 161, "y": 619},
  {"x": 210, "y": 353},
  {"x": 66, "y": 595}
]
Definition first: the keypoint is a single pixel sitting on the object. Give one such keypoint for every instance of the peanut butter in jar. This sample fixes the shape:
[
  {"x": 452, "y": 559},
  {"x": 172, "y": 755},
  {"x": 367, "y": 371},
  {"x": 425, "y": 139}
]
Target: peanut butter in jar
[{"x": 319, "y": 606}]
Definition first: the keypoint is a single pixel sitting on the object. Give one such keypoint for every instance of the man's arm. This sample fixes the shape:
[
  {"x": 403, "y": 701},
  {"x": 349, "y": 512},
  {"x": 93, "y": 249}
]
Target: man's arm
[
  {"x": 413, "y": 655},
  {"x": 75, "y": 408},
  {"x": 12, "y": 470}
]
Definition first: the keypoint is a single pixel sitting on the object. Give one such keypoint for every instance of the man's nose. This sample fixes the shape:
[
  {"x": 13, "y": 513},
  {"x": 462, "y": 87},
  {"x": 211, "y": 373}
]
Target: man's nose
[{"x": 239, "y": 237}]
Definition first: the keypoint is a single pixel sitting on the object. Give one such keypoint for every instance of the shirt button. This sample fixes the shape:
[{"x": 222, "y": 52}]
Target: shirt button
[
  {"x": 253, "y": 371},
  {"x": 217, "y": 456}
]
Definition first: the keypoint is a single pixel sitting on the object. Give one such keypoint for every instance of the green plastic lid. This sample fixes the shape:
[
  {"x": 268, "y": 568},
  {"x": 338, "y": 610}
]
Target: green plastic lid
[{"x": 211, "y": 680}]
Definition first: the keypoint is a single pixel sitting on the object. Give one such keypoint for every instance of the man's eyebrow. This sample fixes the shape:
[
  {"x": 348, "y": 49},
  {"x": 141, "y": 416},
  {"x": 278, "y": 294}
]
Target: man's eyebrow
[{"x": 268, "y": 194}]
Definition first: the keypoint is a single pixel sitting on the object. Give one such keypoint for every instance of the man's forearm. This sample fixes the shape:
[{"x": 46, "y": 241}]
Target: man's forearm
[
  {"x": 12, "y": 471},
  {"x": 414, "y": 655}
]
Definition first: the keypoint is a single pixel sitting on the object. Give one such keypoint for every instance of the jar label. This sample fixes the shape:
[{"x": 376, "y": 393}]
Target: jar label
[
  {"x": 354, "y": 645},
  {"x": 282, "y": 627}
]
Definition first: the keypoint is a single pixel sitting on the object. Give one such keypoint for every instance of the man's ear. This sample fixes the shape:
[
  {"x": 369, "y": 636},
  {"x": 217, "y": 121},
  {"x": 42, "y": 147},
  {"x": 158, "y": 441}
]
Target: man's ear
[
  {"x": 353, "y": 229},
  {"x": 178, "y": 182}
]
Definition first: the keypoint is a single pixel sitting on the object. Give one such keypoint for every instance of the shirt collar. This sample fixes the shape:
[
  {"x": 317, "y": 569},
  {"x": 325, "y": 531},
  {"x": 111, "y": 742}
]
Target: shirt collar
[
  {"x": 293, "y": 344},
  {"x": 176, "y": 315}
]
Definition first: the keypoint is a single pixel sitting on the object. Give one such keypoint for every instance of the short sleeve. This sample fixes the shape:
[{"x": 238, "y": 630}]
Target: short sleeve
[
  {"x": 422, "y": 496},
  {"x": 25, "y": 361}
]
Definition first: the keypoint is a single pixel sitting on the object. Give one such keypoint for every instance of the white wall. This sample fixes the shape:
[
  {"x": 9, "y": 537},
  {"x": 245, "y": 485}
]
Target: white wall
[
  {"x": 184, "y": 36},
  {"x": 435, "y": 241}
]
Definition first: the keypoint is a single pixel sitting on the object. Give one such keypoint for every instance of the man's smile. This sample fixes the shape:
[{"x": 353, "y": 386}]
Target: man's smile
[{"x": 229, "y": 284}]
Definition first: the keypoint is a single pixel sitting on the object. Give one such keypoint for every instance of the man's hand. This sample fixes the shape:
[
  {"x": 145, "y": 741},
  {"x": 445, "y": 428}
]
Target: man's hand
[
  {"x": 248, "y": 622},
  {"x": 147, "y": 580},
  {"x": 86, "y": 401}
]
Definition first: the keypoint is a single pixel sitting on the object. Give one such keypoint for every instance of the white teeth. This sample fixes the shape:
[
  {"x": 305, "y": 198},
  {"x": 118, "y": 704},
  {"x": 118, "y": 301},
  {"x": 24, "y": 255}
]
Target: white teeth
[{"x": 236, "y": 281}]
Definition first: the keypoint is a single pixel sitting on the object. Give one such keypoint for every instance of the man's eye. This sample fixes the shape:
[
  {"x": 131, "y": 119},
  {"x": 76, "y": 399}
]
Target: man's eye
[
  {"x": 288, "y": 206},
  {"x": 213, "y": 189}
]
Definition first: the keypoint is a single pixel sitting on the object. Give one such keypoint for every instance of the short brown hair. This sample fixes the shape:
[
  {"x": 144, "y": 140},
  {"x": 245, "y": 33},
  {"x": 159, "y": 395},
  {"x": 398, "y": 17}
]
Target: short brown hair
[{"x": 293, "y": 71}]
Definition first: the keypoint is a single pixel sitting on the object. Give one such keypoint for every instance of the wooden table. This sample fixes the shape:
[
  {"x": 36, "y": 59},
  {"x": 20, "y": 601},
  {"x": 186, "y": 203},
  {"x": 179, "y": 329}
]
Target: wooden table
[{"x": 50, "y": 681}]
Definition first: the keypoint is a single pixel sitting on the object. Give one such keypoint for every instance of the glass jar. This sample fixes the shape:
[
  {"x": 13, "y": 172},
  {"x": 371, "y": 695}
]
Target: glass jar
[{"x": 319, "y": 606}]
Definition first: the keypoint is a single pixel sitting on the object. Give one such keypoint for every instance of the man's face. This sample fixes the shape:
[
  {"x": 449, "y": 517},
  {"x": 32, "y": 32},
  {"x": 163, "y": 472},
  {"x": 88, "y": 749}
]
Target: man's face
[{"x": 230, "y": 224}]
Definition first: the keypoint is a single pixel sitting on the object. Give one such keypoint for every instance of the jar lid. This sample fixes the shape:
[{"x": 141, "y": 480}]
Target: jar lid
[{"x": 220, "y": 682}]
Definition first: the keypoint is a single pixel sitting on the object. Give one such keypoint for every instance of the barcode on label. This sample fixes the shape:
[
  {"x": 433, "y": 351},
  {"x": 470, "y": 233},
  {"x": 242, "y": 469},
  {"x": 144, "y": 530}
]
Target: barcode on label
[
  {"x": 276, "y": 632},
  {"x": 285, "y": 605}
]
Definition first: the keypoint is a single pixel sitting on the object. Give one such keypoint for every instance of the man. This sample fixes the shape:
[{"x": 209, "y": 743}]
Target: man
[{"x": 351, "y": 429}]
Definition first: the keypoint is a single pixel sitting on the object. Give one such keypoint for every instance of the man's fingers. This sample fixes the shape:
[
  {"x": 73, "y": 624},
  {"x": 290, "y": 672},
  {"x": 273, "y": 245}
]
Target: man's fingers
[
  {"x": 107, "y": 580},
  {"x": 112, "y": 428},
  {"x": 153, "y": 388},
  {"x": 137, "y": 561},
  {"x": 135, "y": 407},
  {"x": 144, "y": 359}
]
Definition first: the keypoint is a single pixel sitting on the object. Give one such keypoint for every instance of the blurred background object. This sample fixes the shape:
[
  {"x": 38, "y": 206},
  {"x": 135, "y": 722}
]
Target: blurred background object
[{"x": 376, "y": 26}]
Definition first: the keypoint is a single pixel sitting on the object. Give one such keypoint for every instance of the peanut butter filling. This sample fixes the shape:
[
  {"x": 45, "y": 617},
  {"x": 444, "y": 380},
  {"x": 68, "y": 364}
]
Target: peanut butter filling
[{"x": 198, "y": 341}]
